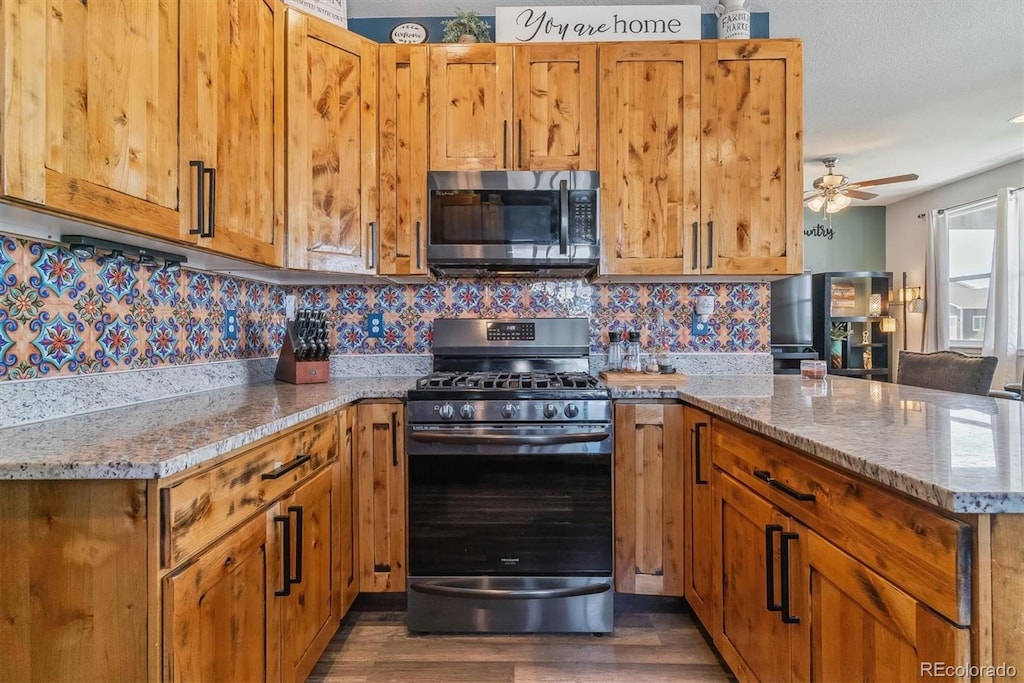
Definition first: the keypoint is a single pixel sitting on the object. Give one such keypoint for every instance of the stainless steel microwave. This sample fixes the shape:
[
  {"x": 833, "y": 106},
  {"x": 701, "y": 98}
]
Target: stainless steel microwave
[{"x": 513, "y": 222}]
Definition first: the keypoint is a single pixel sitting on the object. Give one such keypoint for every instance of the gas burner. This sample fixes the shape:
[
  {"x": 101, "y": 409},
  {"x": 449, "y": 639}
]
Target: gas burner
[{"x": 521, "y": 381}]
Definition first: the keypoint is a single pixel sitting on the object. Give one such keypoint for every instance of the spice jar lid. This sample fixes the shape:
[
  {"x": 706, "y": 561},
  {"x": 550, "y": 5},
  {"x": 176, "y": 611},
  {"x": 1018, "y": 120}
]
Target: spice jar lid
[
  {"x": 614, "y": 336},
  {"x": 634, "y": 336}
]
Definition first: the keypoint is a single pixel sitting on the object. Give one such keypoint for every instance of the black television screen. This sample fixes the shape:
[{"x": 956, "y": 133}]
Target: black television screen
[{"x": 792, "y": 312}]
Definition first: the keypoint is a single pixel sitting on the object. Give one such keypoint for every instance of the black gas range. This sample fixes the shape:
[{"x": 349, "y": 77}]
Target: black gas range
[{"x": 510, "y": 508}]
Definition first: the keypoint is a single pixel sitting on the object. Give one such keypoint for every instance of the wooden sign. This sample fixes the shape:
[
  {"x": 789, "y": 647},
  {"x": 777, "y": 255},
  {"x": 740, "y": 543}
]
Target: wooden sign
[{"x": 585, "y": 23}]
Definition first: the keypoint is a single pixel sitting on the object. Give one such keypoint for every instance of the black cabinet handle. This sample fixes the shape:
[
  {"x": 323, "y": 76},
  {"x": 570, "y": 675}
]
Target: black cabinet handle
[
  {"x": 371, "y": 251},
  {"x": 696, "y": 245},
  {"x": 394, "y": 438},
  {"x": 696, "y": 453},
  {"x": 711, "y": 244},
  {"x": 520, "y": 143},
  {"x": 504, "y": 143},
  {"x": 787, "y": 616},
  {"x": 766, "y": 476},
  {"x": 199, "y": 229},
  {"x": 211, "y": 216},
  {"x": 419, "y": 245},
  {"x": 769, "y": 567},
  {"x": 297, "y": 511},
  {"x": 286, "y": 552},
  {"x": 299, "y": 461}
]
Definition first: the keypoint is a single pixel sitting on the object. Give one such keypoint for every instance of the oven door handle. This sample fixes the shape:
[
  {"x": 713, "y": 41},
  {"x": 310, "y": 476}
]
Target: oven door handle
[
  {"x": 484, "y": 437},
  {"x": 509, "y": 594}
]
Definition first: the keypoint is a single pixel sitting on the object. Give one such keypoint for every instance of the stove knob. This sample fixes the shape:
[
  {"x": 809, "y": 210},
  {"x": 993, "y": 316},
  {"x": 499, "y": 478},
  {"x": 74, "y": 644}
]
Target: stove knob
[
  {"x": 446, "y": 411},
  {"x": 550, "y": 410},
  {"x": 508, "y": 410},
  {"x": 466, "y": 411},
  {"x": 571, "y": 410}
]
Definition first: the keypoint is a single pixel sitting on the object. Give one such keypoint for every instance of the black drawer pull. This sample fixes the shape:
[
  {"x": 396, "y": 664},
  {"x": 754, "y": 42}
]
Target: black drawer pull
[
  {"x": 769, "y": 567},
  {"x": 766, "y": 476},
  {"x": 286, "y": 553},
  {"x": 394, "y": 438},
  {"x": 787, "y": 616},
  {"x": 299, "y": 461},
  {"x": 200, "y": 173},
  {"x": 696, "y": 452},
  {"x": 211, "y": 216},
  {"x": 297, "y": 510}
]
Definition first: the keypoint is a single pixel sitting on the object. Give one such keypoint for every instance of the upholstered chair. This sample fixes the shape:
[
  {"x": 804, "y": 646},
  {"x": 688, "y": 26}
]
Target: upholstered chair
[{"x": 947, "y": 370}]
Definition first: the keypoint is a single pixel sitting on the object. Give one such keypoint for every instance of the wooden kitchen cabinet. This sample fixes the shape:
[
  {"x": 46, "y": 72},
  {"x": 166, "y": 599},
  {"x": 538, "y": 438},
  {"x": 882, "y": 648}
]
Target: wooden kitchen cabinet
[
  {"x": 403, "y": 160},
  {"x": 698, "y": 515},
  {"x": 649, "y": 520},
  {"x": 509, "y": 107},
  {"x": 348, "y": 549},
  {"x": 380, "y": 483},
  {"x": 331, "y": 148},
  {"x": 701, "y": 158},
  {"x": 90, "y": 123}
]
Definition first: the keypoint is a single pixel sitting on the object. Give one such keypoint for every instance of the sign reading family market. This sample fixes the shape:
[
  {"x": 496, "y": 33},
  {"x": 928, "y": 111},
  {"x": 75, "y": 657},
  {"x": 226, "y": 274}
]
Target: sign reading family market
[{"x": 539, "y": 24}]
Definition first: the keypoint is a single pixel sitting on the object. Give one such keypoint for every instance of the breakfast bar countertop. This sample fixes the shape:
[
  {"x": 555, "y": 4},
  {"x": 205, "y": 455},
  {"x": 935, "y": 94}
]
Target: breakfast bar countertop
[{"x": 961, "y": 453}]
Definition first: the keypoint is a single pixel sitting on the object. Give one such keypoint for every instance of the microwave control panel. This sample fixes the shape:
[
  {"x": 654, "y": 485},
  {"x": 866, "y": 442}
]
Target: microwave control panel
[{"x": 583, "y": 217}]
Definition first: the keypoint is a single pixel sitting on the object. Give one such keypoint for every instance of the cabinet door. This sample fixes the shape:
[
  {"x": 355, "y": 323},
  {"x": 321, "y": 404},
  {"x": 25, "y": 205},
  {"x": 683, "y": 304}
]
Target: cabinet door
[
  {"x": 348, "y": 555},
  {"x": 332, "y": 143},
  {"x": 555, "y": 123},
  {"x": 752, "y": 637},
  {"x": 470, "y": 107},
  {"x": 752, "y": 174},
  {"x": 699, "y": 548},
  {"x": 380, "y": 471},
  {"x": 91, "y": 110},
  {"x": 232, "y": 121},
  {"x": 650, "y": 158},
  {"x": 216, "y": 617},
  {"x": 859, "y": 626},
  {"x": 403, "y": 159},
  {"x": 649, "y": 499},
  {"x": 310, "y": 613}
]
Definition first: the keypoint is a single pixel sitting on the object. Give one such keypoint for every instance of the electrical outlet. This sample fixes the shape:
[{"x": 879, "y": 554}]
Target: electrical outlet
[
  {"x": 289, "y": 306},
  {"x": 375, "y": 325},
  {"x": 699, "y": 329},
  {"x": 230, "y": 324}
]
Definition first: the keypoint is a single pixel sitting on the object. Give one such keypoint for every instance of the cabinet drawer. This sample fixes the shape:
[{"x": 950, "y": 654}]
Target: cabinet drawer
[
  {"x": 199, "y": 509},
  {"x": 923, "y": 552}
]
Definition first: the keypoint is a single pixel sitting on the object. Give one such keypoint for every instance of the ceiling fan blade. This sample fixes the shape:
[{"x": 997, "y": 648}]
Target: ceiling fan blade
[
  {"x": 810, "y": 194},
  {"x": 857, "y": 194},
  {"x": 884, "y": 181}
]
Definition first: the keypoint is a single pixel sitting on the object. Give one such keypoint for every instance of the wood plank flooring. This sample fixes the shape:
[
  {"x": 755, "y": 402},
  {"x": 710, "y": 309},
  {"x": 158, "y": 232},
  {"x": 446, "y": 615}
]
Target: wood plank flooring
[{"x": 376, "y": 647}]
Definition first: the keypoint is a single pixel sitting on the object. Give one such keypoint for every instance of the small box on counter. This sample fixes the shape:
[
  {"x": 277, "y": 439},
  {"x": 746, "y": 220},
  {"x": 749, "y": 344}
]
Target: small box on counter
[{"x": 306, "y": 352}]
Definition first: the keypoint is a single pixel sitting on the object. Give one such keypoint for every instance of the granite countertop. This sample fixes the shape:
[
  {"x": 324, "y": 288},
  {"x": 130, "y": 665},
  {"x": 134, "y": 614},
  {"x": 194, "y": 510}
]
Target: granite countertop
[
  {"x": 961, "y": 453},
  {"x": 160, "y": 438}
]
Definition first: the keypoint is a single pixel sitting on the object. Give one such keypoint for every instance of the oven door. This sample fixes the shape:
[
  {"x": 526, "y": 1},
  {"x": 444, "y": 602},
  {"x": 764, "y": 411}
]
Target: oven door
[{"x": 500, "y": 500}]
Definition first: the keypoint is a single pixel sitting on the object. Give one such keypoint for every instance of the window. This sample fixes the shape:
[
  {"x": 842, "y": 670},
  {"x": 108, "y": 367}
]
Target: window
[{"x": 972, "y": 231}]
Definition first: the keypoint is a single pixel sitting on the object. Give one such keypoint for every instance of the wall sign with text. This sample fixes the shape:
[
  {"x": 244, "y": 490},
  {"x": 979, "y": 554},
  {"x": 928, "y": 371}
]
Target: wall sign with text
[
  {"x": 334, "y": 11},
  {"x": 540, "y": 24}
]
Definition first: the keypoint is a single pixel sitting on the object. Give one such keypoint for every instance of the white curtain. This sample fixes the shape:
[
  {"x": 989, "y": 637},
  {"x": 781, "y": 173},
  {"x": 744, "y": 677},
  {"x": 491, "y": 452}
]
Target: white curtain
[
  {"x": 936, "y": 283},
  {"x": 1004, "y": 313}
]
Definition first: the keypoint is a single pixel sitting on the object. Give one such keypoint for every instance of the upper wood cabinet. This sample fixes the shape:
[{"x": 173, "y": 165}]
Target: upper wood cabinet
[
  {"x": 701, "y": 158},
  {"x": 402, "y": 142},
  {"x": 90, "y": 121},
  {"x": 513, "y": 107},
  {"x": 232, "y": 123},
  {"x": 649, "y": 498},
  {"x": 332, "y": 147}
]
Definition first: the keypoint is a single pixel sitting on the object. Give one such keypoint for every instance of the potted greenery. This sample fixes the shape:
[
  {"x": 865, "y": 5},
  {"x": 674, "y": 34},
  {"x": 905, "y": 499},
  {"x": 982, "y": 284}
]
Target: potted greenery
[
  {"x": 837, "y": 336},
  {"x": 466, "y": 27}
]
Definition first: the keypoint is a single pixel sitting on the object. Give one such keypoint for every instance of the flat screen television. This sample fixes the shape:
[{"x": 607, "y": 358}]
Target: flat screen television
[{"x": 792, "y": 317}]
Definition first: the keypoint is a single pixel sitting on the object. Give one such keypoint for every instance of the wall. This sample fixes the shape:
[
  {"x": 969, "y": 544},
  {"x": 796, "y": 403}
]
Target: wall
[
  {"x": 907, "y": 235},
  {"x": 857, "y": 243},
  {"x": 61, "y": 315}
]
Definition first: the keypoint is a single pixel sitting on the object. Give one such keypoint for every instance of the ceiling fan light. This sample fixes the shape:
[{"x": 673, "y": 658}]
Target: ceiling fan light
[
  {"x": 837, "y": 203},
  {"x": 832, "y": 180},
  {"x": 816, "y": 203}
]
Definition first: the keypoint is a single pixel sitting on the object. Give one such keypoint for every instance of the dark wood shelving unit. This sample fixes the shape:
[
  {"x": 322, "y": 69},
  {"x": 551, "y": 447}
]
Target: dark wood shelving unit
[{"x": 846, "y": 297}]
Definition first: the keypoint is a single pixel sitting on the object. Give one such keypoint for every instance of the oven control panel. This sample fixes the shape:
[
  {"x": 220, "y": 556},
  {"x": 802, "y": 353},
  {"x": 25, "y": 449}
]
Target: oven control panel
[
  {"x": 555, "y": 410},
  {"x": 517, "y": 331}
]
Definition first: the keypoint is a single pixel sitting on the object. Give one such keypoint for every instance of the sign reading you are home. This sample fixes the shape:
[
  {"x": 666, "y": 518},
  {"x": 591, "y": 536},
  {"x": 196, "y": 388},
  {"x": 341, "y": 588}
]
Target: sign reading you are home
[{"x": 540, "y": 24}]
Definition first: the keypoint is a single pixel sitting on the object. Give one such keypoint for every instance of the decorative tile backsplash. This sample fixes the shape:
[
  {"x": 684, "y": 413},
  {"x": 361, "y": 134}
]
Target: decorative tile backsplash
[{"x": 61, "y": 315}]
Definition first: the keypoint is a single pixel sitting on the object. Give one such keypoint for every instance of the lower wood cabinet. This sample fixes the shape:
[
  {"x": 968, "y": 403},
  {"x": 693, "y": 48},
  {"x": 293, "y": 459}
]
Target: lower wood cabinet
[
  {"x": 698, "y": 515},
  {"x": 648, "y": 480},
  {"x": 380, "y": 495},
  {"x": 348, "y": 549}
]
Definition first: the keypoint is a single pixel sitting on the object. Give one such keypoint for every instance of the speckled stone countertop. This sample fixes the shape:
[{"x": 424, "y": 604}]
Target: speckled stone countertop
[
  {"x": 159, "y": 438},
  {"x": 961, "y": 453}
]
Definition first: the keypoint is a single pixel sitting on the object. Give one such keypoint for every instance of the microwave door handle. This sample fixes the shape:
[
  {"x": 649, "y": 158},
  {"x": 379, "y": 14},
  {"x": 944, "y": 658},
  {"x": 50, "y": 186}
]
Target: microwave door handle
[{"x": 563, "y": 232}]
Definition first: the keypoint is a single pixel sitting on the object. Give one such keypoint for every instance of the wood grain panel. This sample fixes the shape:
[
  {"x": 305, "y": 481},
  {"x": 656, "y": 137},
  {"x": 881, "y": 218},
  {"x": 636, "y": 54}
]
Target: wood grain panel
[
  {"x": 347, "y": 537},
  {"x": 555, "y": 121},
  {"x": 73, "y": 593},
  {"x": 380, "y": 473},
  {"x": 1007, "y": 590},
  {"x": 403, "y": 144},
  {"x": 650, "y": 158},
  {"x": 198, "y": 509},
  {"x": 332, "y": 160},
  {"x": 752, "y": 150},
  {"x": 699, "y": 544}
]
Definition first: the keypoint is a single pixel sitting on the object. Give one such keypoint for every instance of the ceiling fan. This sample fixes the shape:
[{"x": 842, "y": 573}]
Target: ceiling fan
[{"x": 834, "y": 192}]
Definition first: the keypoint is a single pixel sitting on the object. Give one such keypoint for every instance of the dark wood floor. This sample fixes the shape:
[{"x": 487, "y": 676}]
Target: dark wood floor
[{"x": 646, "y": 647}]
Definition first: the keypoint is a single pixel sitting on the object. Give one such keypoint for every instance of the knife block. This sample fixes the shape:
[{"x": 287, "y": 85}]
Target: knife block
[{"x": 294, "y": 371}]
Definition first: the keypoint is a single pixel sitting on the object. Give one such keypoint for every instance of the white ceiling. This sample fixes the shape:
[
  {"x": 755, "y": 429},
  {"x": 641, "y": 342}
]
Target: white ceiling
[{"x": 890, "y": 86}]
